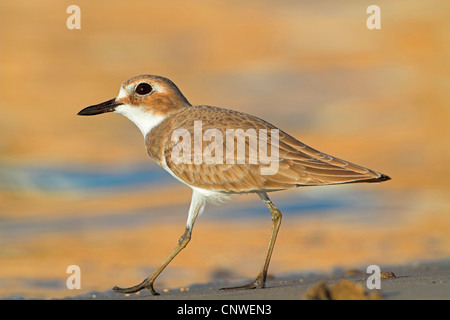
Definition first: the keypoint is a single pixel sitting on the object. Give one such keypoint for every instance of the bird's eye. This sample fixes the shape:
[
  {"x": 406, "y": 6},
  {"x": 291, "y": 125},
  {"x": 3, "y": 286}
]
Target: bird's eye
[{"x": 143, "y": 88}]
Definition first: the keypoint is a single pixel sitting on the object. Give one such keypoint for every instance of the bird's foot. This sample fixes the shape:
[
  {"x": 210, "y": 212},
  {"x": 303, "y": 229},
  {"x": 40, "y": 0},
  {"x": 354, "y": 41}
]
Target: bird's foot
[
  {"x": 146, "y": 284},
  {"x": 258, "y": 283}
]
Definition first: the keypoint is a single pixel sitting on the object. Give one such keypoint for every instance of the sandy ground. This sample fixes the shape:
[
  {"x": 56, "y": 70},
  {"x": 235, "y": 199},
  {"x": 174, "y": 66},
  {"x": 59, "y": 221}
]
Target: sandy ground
[
  {"x": 110, "y": 252},
  {"x": 378, "y": 98},
  {"x": 122, "y": 248},
  {"x": 415, "y": 281}
]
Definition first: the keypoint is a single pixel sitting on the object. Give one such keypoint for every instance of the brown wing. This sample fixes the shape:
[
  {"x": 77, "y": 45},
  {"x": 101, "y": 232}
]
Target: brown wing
[{"x": 297, "y": 164}]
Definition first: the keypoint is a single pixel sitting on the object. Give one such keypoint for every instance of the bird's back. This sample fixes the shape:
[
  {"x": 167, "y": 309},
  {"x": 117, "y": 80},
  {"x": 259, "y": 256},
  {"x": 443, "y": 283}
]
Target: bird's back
[{"x": 222, "y": 168}]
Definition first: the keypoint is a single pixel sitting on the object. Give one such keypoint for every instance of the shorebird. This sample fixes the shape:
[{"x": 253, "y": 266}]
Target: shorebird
[{"x": 159, "y": 109}]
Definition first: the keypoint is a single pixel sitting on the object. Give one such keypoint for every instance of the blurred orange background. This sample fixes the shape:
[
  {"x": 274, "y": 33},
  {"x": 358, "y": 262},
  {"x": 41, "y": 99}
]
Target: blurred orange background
[{"x": 77, "y": 190}]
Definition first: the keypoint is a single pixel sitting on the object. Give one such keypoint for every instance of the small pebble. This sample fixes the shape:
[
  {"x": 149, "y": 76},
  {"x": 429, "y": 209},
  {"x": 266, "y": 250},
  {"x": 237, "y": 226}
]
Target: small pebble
[
  {"x": 388, "y": 275},
  {"x": 166, "y": 290}
]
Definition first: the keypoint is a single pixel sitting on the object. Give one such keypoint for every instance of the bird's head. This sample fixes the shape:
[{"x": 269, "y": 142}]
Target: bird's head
[{"x": 146, "y": 100}]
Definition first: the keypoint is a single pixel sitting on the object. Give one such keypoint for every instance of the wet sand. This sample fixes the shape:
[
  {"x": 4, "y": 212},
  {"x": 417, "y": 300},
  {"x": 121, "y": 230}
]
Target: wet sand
[
  {"x": 72, "y": 190},
  {"x": 228, "y": 244},
  {"x": 429, "y": 280}
]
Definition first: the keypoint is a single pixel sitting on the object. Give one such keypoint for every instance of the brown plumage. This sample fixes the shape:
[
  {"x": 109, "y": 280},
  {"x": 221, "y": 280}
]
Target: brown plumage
[
  {"x": 212, "y": 164},
  {"x": 299, "y": 164}
]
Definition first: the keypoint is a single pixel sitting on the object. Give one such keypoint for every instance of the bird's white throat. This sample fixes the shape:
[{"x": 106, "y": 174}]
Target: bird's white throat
[{"x": 143, "y": 119}]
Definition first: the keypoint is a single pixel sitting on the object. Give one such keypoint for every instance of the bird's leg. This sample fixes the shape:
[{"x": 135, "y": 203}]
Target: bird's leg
[
  {"x": 260, "y": 281},
  {"x": 148, "y": 282},
  {"x": 197, "y": 206}
]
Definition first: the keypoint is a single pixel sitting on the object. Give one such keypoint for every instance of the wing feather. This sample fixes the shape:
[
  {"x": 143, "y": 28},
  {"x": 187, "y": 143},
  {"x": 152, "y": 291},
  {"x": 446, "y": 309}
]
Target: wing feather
[{"x": 298, "y": 164}]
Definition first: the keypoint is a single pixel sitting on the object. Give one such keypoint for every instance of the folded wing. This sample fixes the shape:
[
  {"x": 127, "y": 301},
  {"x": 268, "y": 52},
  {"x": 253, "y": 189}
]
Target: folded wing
[{"x": 296, "y": 165}]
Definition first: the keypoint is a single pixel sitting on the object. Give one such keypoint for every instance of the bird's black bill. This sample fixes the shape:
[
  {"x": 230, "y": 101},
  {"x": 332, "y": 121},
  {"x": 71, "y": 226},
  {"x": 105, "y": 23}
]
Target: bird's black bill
[{"x": 107, "y": 106}]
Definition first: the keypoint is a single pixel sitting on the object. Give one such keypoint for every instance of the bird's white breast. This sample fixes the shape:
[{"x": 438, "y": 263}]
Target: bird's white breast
[{"x": 145, "y": 120}]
